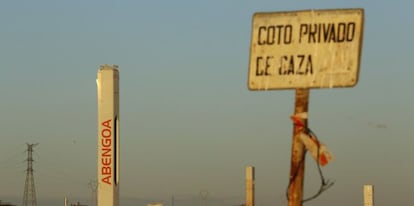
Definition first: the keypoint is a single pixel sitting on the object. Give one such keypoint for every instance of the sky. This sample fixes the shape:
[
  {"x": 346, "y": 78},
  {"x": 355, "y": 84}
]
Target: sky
[{"x": 189, "y": 124}]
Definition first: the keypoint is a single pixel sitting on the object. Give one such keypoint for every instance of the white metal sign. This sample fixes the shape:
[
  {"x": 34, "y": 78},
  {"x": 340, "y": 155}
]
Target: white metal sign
[{"x": 305, "y": 49}]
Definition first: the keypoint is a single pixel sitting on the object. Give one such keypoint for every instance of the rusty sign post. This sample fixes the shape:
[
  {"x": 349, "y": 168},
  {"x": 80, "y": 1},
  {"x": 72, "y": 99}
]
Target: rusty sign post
[{"x": 302, "y": 50}]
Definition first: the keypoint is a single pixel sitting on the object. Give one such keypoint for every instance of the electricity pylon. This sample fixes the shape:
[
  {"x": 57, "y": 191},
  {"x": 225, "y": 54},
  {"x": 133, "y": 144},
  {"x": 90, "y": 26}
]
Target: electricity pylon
[{"x": 29, "y": 196}]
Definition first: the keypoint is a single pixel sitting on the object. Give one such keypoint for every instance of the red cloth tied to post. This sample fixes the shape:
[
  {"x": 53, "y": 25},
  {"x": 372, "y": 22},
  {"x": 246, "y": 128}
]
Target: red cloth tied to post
[{"x": 299, "y": 119}]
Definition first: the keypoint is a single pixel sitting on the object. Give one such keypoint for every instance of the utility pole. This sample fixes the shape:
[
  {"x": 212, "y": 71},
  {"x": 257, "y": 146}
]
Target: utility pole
[
  {"x": 297, "y": 165},
  {"x": 29, "y": 196}
]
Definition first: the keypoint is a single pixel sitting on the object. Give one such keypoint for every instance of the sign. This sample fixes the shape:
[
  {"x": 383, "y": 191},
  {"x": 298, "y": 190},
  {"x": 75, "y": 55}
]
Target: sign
[{"x": 305, "y": 49}]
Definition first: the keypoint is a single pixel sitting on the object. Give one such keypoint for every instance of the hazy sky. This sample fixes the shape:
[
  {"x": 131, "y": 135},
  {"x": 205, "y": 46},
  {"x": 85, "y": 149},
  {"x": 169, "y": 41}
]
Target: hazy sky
[{"x": 188, "y": 121}]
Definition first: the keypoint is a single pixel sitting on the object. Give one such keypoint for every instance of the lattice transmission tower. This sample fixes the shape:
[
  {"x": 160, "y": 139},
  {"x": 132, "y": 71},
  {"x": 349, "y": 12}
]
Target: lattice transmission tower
[
  {"x": 93, "y": 185},
  {"x": 29, "y": 196}
]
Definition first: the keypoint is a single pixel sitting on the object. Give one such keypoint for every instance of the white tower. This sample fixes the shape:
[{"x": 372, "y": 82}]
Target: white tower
[
  {"x": 368, "y": 195},
  {"x": 108, "y": 135}
]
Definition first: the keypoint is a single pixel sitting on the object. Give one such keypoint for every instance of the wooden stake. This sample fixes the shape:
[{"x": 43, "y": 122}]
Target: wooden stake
[
  {"x": 250, "y": 186},
  {"x": 297, "y": 166}
]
